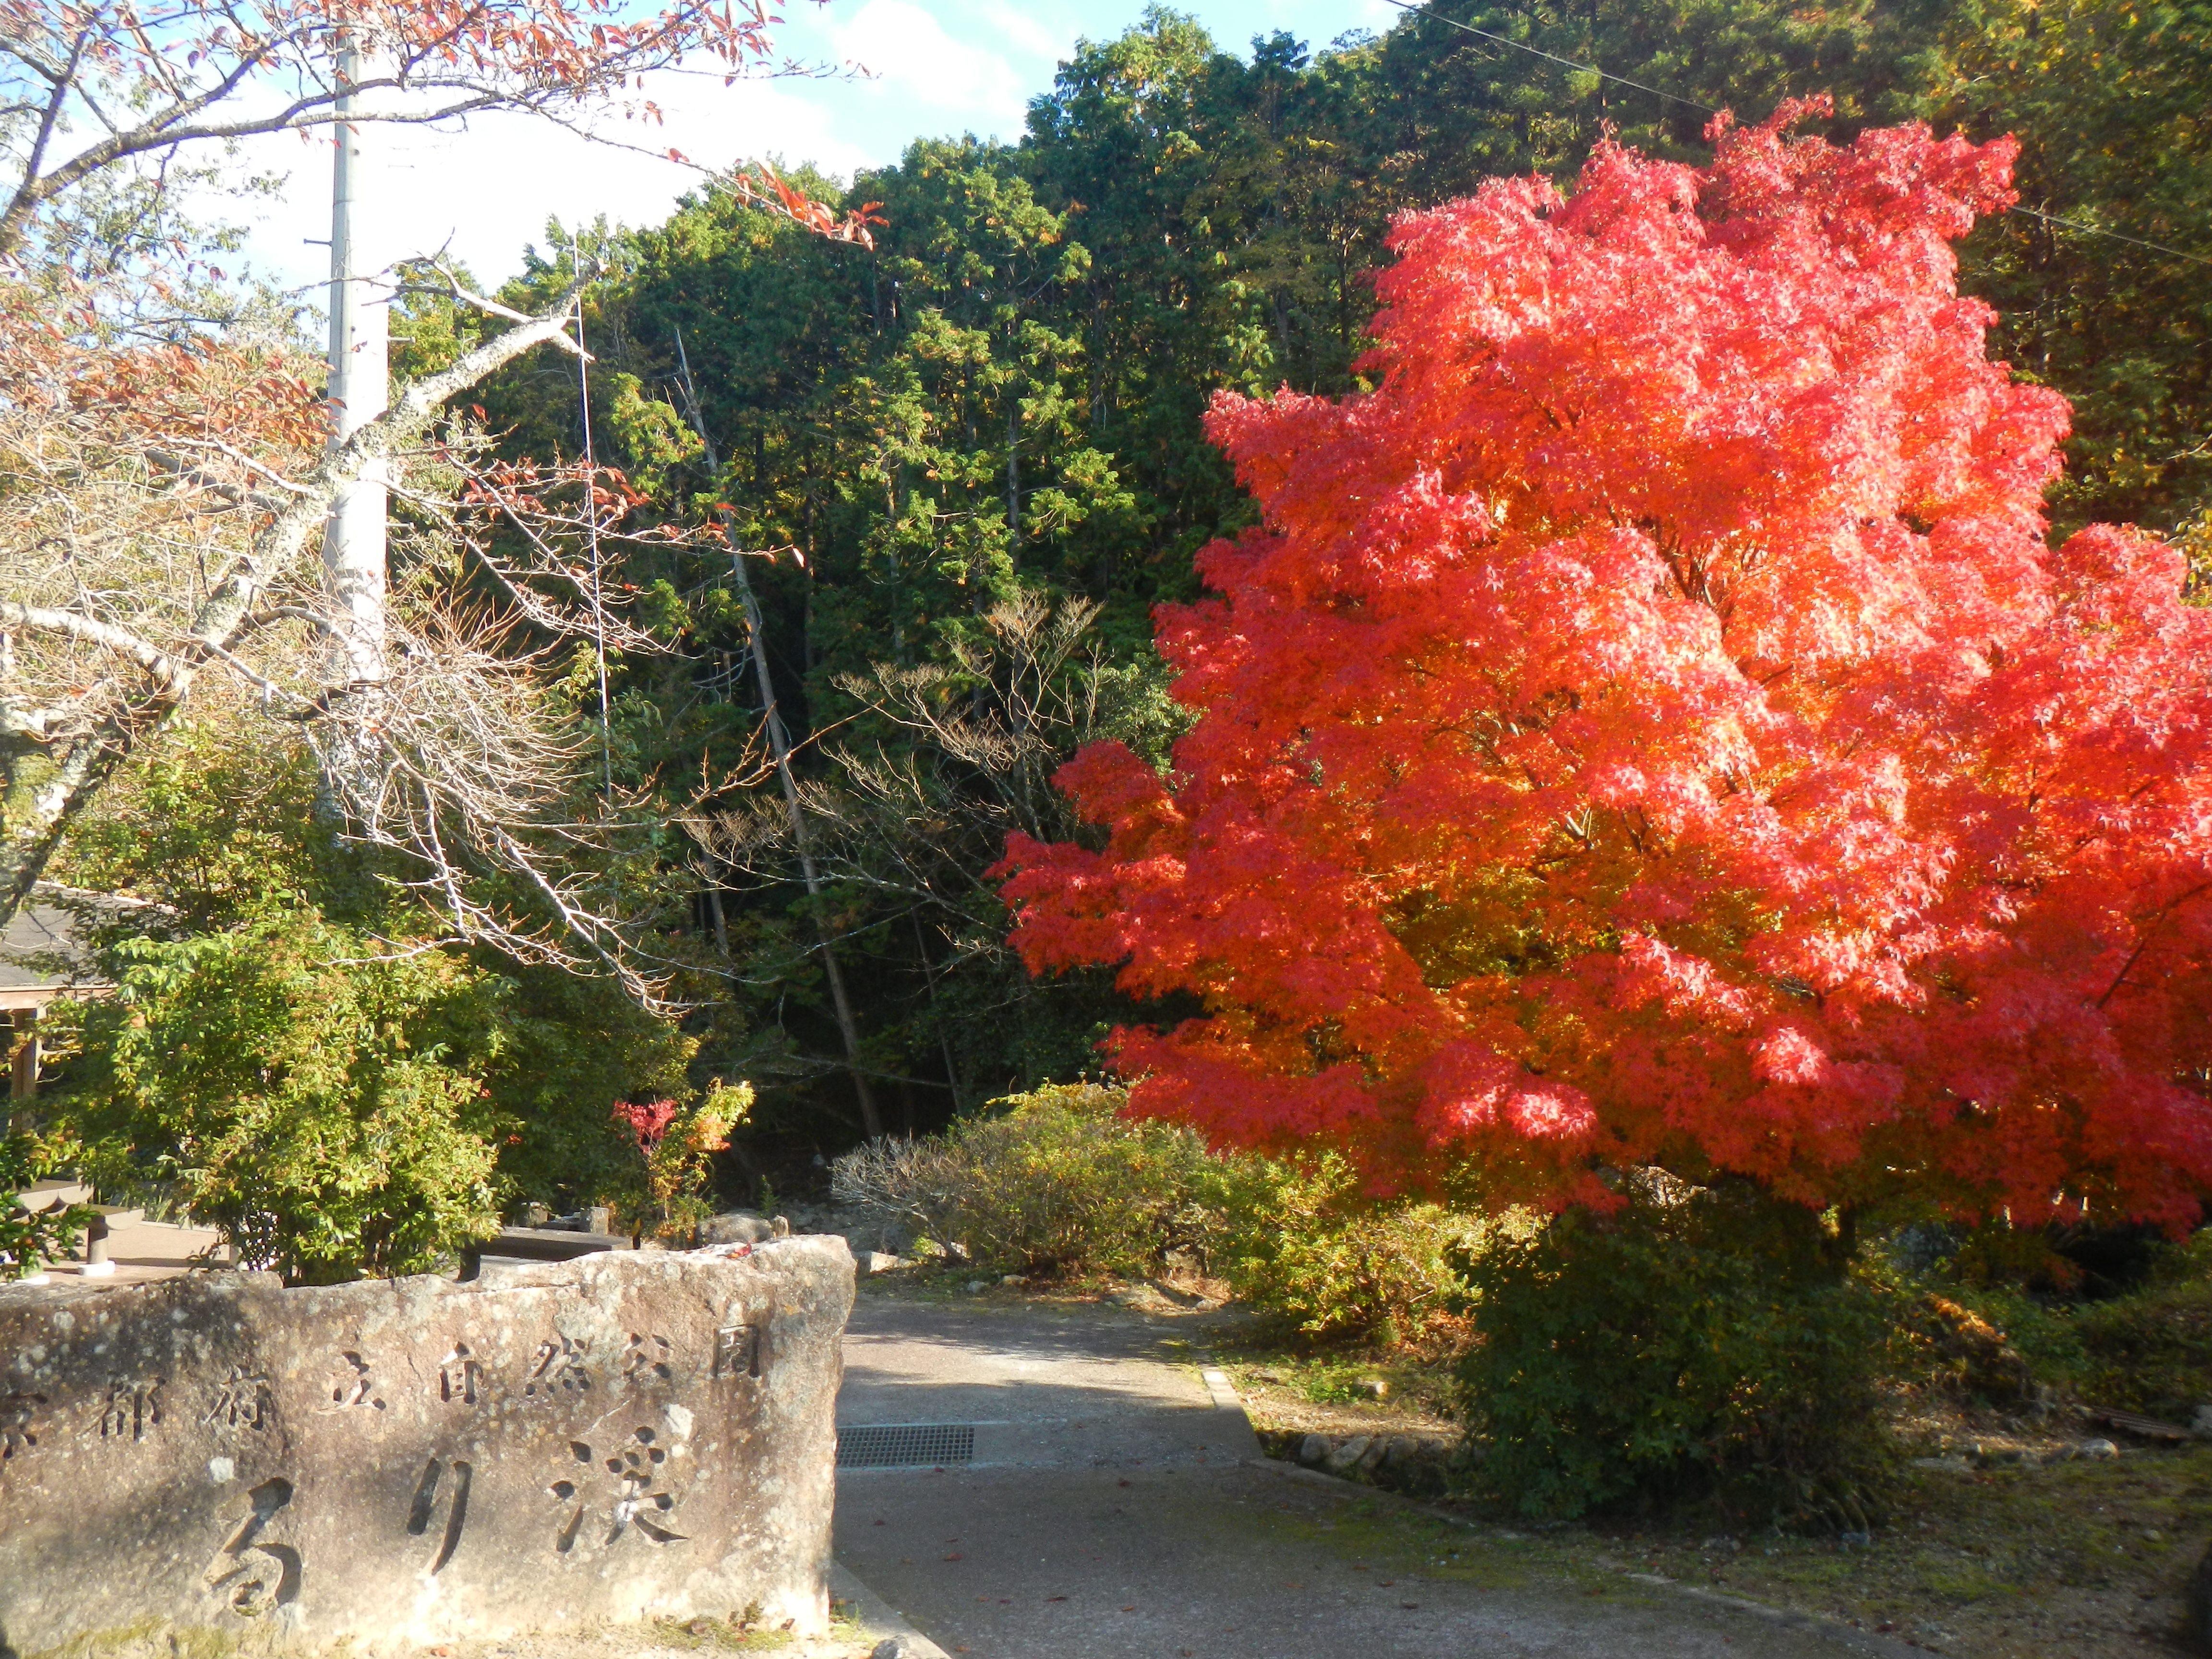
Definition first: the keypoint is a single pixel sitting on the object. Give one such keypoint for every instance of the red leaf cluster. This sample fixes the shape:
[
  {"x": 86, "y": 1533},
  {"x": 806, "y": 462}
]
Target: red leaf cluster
[
  {"x": 646, "y": 1120},
  {"x": 1652, "y": 725}
]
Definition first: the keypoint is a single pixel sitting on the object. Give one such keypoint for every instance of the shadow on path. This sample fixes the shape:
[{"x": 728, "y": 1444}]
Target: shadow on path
[{"x": 1113, "y": 1513}]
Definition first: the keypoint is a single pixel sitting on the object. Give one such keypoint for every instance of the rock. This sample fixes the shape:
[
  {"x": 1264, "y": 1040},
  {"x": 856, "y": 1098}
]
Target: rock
[
  {"x": 875, "y": 1261},
  {"x": 977, "y": 1287},
  {"x": 407, "y": 1461},
  {"x": 1346, "y": 1453},
  {"x": 1372, "y": 1459},
  {"x": 781, "y": 1225},
  {"x": 2096, "y": 1448},
  {"x": 736, "y": 1227},
  {"x": 1375, "y": 1388},
  {"x": 1401, "y": 1450},
  {"x": 2196, "y": 1620},
  {"x": 1315, "y": 1449},
  {"x": 890, "y": 1648},
  {"x": 1015, "y": 1279},
  {"x": 1856, "y": 1539}
]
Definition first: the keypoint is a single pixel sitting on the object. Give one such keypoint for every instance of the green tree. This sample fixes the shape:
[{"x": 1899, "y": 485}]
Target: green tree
[
  {"x": 296, "y": 1056},
  {"x": 281, "y": 1077}
]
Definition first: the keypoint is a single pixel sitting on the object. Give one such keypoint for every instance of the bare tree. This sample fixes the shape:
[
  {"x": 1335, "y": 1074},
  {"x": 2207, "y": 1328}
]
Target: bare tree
[
  {"x": 165, "y": 493},
  {"x": 162, "y": 510},
  {"x": 920, "y": 823},
  {"x": 93, "y": 88}
]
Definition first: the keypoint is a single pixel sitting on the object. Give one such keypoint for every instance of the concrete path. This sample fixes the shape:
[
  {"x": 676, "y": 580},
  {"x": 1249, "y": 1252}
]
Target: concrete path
[{"x": 1110, "y": 1509}]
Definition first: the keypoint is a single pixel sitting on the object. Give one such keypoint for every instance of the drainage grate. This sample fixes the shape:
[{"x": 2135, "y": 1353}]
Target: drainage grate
[{"x": 903, "y": 1445}]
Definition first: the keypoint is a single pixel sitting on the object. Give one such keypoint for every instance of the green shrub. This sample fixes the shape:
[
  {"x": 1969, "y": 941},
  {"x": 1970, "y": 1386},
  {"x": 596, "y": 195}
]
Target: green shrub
[
  {"x": 1054, "y": 1181},
  {"x": 287, "y": 1083},
  {"x": 1298, "y": 1240},
  {"x": 1701, "y": 1344},
  {"x": 27, "y": 1242},
  {"x": 2151, "y": 1351},
  {"x": 224, "y": 838},
  {"x": 1059, "y": 1182}
]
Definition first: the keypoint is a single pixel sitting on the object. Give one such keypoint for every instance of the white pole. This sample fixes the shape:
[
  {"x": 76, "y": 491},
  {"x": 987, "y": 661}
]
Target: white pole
[{"x": 353, "y": 546}]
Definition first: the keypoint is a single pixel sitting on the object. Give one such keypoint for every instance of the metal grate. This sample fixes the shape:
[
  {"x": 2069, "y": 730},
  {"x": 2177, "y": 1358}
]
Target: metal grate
[{"x": 905, "y": 1445}]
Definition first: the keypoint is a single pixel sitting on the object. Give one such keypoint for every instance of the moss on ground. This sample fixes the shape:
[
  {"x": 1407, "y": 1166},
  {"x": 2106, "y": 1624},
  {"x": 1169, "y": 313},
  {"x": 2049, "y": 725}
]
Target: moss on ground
[{"x": 2087, "y": 1559}]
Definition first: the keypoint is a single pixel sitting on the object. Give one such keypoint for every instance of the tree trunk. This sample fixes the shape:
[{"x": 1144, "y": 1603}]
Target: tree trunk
[{"x": 779, "y": 744}]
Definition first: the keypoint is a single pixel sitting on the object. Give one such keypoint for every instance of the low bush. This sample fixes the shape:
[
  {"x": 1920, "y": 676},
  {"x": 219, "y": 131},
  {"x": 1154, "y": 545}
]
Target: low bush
[
  {"x": 1705, "y": 1344},
  {"x": 1054, "y": 1181},
  {"x": 2151, "y": 1351},
  {"x": 1991, "y": 1322},
  {"x": 667, "y": 1195},
  {"x": 29, "y": 1240},
  {"x": 1059, "y": 1182},
  {"x": 1298, "y": 1239}
]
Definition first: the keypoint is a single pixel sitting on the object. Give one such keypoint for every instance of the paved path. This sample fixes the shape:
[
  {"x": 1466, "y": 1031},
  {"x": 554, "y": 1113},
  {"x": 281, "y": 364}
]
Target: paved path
[{"x": 1112, "y": 1511}]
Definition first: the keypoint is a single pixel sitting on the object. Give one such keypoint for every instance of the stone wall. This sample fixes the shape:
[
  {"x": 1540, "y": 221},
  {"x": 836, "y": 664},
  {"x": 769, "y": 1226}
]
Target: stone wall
[{"x": 408, "y": 1461}]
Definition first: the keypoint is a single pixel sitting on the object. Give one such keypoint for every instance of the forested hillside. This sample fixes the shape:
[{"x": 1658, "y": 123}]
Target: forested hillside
[{"x": 976, "y": 445}]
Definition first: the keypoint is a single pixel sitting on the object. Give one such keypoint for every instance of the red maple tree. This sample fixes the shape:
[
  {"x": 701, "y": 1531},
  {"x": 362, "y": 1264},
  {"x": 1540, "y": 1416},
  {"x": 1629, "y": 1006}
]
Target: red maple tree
[{"x": 1652, "y": 726}]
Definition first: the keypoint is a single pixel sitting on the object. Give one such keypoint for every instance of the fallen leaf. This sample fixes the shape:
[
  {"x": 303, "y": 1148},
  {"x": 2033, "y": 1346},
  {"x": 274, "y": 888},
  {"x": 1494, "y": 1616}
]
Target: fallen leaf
[
  {"x": 1055, "y": 1598},
  {"x": 955, "y": 1556}
]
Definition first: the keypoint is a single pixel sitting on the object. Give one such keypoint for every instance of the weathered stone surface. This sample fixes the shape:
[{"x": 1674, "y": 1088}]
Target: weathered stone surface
[
  {"x": 417, "y": 1460},
  {"x": 737, "y": 1227}
]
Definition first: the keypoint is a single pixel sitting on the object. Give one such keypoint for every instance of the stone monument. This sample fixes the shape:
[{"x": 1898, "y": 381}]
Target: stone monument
[{"x": 398, "y": 1462}]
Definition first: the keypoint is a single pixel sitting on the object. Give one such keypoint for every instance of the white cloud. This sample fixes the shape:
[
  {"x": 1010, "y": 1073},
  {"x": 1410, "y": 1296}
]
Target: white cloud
[
  {"x": 914, "y": 57},
  {"x": 486, "y": 190}
]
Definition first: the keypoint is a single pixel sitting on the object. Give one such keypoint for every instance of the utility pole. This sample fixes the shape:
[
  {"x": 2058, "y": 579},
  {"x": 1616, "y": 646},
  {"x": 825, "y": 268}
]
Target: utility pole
[{"x": 353, "y": 545}]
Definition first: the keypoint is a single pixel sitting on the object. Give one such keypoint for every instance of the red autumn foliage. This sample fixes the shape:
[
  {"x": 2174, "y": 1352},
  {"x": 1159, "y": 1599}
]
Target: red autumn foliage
[
  {"x": 647, "y": 1120},
  {"x": 1652, "y": 726}
]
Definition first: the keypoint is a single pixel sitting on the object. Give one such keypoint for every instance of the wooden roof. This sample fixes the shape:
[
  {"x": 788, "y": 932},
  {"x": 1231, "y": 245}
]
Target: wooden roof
[{"x": 43, "y": 956}]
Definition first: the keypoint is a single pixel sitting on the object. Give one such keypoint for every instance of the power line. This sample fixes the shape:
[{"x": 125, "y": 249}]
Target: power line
[
  {"x": 2096, "y": 230},
  {"x": 1549, "y": 57},
  {"x": 1421, "y": 9}
]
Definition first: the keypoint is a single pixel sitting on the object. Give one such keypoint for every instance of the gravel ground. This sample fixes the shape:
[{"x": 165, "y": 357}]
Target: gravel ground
[{"x": 669, "y": 1638}]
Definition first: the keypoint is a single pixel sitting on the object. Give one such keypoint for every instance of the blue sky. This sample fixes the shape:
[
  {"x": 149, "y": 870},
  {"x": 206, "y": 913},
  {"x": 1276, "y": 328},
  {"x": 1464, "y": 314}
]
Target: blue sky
[{"x": 938, "y": 67}]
